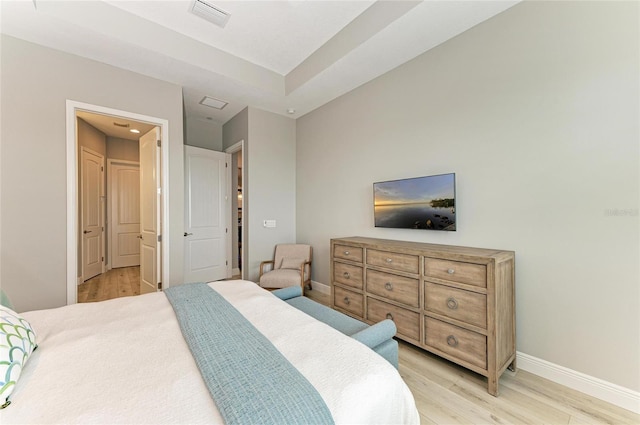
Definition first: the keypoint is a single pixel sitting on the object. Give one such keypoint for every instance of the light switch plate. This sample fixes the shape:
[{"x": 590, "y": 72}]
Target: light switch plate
[{"x": 269, "y": 223}]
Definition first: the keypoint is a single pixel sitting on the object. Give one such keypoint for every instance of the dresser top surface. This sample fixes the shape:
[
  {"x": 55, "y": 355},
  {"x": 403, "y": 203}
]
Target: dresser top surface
[{"x": 420, "y": 246}]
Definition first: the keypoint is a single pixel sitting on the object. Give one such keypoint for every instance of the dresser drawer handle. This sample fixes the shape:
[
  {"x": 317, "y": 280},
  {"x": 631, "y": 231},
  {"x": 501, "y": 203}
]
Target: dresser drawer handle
[
  {"x": 347, "y": 301},
  {"x": 389, "y": 316},
  {"x": 451, "y": 271},
  {"x": 347, "y": 253},
  {"x": 346, "y": 275},
  {"x": 452, "y": 341},
  {"x": 389, "y": 260},
  {"x": 452, "y": 303},
  {"x": 388, "y": 286}
]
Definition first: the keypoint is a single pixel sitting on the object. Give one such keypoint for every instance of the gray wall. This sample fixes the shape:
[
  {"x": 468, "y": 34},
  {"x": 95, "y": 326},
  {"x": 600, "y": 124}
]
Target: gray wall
[
  {"x": 203, "y": 134},
  {"x": 536, "y": 111},
  {"x": 36, "y": 82},
  {"x": 272, "y": 185},
  {"x": 269, "y": 189}
]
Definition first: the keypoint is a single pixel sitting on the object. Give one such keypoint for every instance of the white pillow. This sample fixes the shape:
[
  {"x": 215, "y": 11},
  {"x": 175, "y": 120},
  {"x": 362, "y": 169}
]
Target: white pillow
[
  {"x": 291, "y": 263},
  {"x": 17, "y": 342}
]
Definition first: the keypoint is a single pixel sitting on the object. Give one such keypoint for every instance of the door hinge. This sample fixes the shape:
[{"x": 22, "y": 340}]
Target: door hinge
[
  {"x": 226, "y": 230},
  {"x": 226, "y": 263},
  {"x": 159, "y": 238},
  {"x": 159, "y": 143},
  {"x": 102, "y": 258},
  {"x": 101, "y": 168},
  {"x": 226, "y": 165}
]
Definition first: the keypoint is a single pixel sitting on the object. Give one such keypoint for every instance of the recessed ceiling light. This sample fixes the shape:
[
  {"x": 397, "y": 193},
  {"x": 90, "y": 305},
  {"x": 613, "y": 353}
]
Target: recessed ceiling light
[
  {"x": 133, "y": 130},
  {"x": 210, "y": 12},
  {"x": 213, "y": 102},
  {"x": 291, "y": 111}
]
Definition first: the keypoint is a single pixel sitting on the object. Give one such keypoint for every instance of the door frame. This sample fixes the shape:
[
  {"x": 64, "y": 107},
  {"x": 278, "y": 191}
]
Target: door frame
[
  {"x": 72, "y": 107},
  {"x": 110, "y": 163},
  {"x": 102, "y": 214},
  {"x": 239, "y": 147}
]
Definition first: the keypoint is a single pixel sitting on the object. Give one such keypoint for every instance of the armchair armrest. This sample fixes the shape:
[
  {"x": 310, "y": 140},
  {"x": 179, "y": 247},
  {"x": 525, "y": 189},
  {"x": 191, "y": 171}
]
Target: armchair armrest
[
  {"x": 376, "y": 334},
  {"x": 268, "y": 269},
  {"x": 303, "y": 266}
]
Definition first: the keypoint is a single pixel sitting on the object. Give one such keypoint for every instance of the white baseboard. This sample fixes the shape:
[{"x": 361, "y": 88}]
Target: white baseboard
[
  {"x": 595, "y": 387},
  {"x": 320, "y": 287}
]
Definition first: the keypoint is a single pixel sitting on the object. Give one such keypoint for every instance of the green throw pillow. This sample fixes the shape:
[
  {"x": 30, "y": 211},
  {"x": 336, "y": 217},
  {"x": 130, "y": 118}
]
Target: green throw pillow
[{"x": 17, "y": 342}]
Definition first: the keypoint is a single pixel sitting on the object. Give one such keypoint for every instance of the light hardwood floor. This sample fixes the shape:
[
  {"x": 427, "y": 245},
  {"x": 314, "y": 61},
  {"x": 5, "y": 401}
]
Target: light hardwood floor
[
  {"x": 121, "y": 282},
  {"x": 449, "y": 394}
]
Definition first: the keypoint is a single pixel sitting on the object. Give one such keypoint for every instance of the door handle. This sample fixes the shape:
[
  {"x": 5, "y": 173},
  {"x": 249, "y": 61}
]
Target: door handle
[
  {"x": 139, "y": 236},
  {"x": 87, "y": 231},
  {"x": 187, "y": 234}
]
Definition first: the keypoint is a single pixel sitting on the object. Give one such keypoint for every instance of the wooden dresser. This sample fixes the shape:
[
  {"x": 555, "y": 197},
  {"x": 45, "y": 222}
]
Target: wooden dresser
[{"x": 456, "y": 302}]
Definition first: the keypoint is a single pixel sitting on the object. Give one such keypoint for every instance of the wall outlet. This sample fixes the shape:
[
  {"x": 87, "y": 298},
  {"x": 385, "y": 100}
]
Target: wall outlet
[{"x": 269, "y": 223}]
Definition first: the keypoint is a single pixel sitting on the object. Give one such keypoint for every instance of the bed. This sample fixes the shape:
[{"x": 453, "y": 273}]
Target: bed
[{"x": 126, "y": 361}]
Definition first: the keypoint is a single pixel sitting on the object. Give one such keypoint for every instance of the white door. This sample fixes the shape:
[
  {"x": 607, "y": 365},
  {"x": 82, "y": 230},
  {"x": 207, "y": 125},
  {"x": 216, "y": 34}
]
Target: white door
[
  {"x": 150, "y": 197},
  {"x": 124, "y": 222},
  {"x": 92, "y": 190},
  {"x": 206, "y": 212}
]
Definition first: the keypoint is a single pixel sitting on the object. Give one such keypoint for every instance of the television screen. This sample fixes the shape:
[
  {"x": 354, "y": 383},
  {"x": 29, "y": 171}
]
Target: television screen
[{"x": 417, "y": 203}]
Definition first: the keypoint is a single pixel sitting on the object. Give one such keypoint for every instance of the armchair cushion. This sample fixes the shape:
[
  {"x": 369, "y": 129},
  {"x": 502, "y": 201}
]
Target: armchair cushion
[
  {"x": 280, "y": 278},
  {"x": 291, "y": 263}
]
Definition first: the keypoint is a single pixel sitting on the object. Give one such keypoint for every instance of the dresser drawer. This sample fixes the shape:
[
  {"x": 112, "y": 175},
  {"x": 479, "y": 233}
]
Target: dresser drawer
[
  {"x": 407, "y": 322},
  {"x": 456, "y": 271},
  {"x": 398, "y": 288},
  {"x": 459, "y": 304},
  {"x": 346, "y": 274},
  {"x": 347, "y": 252},
  {"x": 402, "y": 262},
  {"x": 349, "y": 301},
  {"x": 461, "y": 343}
]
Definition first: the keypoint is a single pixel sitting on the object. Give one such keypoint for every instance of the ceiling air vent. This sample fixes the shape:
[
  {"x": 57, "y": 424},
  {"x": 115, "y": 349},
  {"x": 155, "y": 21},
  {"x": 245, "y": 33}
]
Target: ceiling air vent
[
  {"x": 210, "y": 12},
  {"x": 213, "y": 102}
]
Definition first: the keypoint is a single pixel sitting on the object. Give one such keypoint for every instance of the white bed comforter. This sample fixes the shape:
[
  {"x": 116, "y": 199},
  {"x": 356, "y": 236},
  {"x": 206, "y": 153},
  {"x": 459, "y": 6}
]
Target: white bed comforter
[{"x": 125, "y": 361}]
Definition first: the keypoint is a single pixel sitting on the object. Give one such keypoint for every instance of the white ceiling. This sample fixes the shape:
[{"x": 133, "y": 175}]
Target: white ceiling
[{"x": 273, "y": 55}]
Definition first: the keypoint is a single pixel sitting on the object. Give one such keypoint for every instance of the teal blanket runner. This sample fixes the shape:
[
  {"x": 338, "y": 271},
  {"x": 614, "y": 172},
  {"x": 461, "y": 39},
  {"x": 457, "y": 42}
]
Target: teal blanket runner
[{"x": 250, "y": 381}]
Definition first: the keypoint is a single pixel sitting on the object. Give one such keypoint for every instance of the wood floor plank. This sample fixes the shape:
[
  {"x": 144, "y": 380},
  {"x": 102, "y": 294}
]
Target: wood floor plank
[
  {"x": 511, "y": 406},
  {"x": 111, "y": 290},
  {"x": 112, "y": 284},
  {"x": 581, "y": 407},
  {"x": 83, "y": 292},
  {"x": 124, "y": 287},
  {"x": 134, "y": 279},
  {"x": 94, "y": 289}
]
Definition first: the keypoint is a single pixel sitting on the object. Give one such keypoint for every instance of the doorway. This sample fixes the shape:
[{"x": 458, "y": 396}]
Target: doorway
[
  {"x": 156, "y": 227},
  {"x": 238, "y": 208}
]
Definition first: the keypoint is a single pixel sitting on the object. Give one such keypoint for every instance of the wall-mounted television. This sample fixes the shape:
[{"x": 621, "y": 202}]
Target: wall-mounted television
[{"x": 416, "y": 203}]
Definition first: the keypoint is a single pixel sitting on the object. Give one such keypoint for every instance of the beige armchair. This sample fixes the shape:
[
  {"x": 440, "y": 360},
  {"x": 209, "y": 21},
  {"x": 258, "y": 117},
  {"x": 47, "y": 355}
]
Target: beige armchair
[{"x": 291, "y": 266}]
